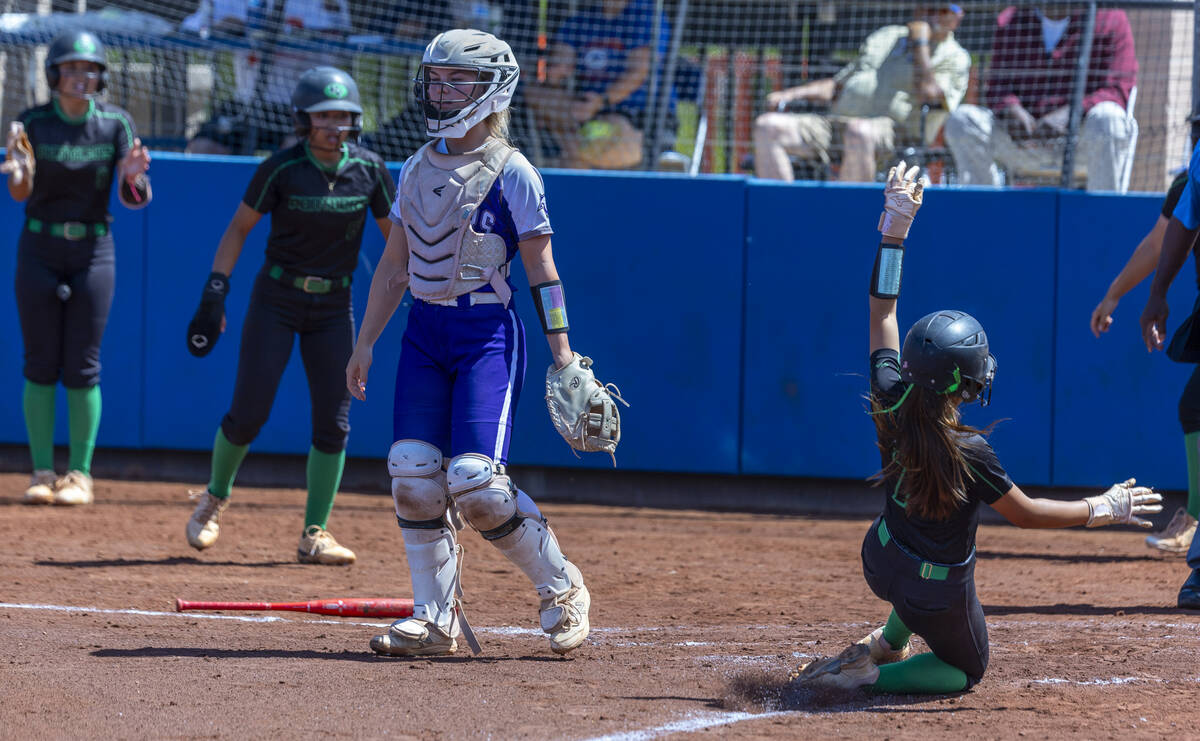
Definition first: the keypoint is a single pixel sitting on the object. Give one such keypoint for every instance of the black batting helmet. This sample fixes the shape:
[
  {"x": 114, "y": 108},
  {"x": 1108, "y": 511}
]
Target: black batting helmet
[
  {"x": 76, "y": 46},
  {"x": 325, "y": 89},
  {"x": 947, "y": 351}
]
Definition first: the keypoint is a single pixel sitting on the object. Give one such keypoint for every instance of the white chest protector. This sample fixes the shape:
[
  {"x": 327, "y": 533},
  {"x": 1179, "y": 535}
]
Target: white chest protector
[{"x": 439, "y": 195}]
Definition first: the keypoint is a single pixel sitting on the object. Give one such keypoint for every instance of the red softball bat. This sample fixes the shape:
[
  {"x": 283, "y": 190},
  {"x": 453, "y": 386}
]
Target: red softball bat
[{"x": 342, "y": 607}]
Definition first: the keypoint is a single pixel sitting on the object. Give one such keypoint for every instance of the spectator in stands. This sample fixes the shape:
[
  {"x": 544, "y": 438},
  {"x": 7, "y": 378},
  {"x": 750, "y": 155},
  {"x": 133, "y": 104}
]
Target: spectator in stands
[
  {"x": 259, "y": 117},
  {"x": 1035, "y": 52},
  {"x": 594, "y": 98},
  {"x": 875, "y": 97}
]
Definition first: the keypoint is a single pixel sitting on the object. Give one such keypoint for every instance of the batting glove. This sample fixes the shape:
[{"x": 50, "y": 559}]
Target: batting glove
[
  {"x": 205, "y": 328},
  {"x": 901, "y": 198},
  {"x": 1122, "y": 504}
]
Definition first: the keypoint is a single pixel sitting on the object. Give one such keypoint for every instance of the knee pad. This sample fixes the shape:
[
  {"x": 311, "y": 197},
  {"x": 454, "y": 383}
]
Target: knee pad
[
  {"x": 418, "y": 482},
  {"x": 487, "y": 499}
]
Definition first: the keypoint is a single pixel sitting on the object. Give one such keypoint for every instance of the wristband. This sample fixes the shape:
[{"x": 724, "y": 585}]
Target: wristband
[
  {"x": 551, "y": 307},
  {"x": 885, "y": 276},
  {"x": 217, "y": 285}
]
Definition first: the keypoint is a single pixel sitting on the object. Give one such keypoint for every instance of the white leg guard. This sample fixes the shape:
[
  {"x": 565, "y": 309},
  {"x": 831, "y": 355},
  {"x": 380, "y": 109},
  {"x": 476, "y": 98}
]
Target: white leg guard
[
  {"x": 434, "y": 625},
  {"x": 418, "y": 483},
  {"x": 559, "y": 583},
  {"x": 483, "y": 495}
]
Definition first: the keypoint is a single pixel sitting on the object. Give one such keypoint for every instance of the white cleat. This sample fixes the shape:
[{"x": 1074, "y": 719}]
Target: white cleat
[
  {"x": 73, "y": 489},
  {"x": 318, "y": 546},
  {"x": 849, "y": 670},
  {"x": 414, "y": 637},
  {"x": 203, "y": 527},
  {"x": 881, "y": 651},
  {"x": 1177, "y": 536},
  {"x": 565, "y": 617},
  {"x": 41, "y": 487}
]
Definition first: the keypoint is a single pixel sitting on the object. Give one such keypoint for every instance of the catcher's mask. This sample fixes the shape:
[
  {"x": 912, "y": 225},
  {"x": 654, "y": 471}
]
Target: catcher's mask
[
  {"x": 77, "y": 46},
  {"x": 451, "y": 108},
  {"x": 947, "y": 351},
  {"x": 326, "y": 89}
]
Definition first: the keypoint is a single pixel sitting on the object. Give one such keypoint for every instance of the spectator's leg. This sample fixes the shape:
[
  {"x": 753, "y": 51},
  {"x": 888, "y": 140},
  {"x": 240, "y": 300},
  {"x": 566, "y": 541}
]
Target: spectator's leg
[
  {"x": 1104, "y": 144},
  {"x": 862, "y": 139},
  {"x": 776, "y": 135},
  {"x": 970, "y": 131}
]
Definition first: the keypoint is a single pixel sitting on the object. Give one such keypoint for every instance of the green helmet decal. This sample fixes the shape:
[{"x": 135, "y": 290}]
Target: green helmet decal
[
  {"x": 84, "y": 45},
  {"x": 336, "y": 90}
]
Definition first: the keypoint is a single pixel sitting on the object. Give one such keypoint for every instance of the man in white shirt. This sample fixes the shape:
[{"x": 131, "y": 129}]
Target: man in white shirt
[{"x": 898, "y": 69}]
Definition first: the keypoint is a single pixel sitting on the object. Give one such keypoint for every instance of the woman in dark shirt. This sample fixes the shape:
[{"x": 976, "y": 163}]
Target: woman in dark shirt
[
  {"x": 319, "y": 194},
  {"x": 919, "y": 554},
  {"x": 66, "y": 269}
]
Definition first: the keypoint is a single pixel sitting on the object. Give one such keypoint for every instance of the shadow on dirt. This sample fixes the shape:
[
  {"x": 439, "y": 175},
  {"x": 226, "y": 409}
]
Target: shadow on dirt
[
  {"x": 156, "y": 652},
  {"x": 1063, "y": 608},
  {"x": 169, "y": 561},
  {"x": 1068, "y": 557}
]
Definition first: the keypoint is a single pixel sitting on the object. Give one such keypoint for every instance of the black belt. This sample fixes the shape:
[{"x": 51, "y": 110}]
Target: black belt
[
  {"x": 308, "y": 283},
  {"x": 70, "y": 230},
  {"x": 925, "y": 569}
]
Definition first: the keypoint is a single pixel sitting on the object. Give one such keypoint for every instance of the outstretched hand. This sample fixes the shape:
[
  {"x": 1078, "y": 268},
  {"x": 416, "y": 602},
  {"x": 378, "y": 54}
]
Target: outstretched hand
[
  {"x": 1122, "y": 504},
  {"x": 901, "y": 198}
]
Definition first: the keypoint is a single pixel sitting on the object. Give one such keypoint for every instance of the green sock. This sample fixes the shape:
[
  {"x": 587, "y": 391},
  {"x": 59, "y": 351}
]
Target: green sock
[
  {"x": 226, "y": 459},
  {"x": 923, "y": 674},
  {"x": 83, "y": 414},
  {"x": 1192, "y": 440},
  {"x": 895, "y": 632},
  {"x": 38, "y": 401},
  {"x": 324, "y": 475}
]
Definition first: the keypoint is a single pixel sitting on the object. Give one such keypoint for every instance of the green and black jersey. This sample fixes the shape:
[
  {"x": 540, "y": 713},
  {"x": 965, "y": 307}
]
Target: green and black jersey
[
  {"x": 941, "y": 541},
  {"x": 318, "y": 212},
  {"x": 76, "y": 160}
]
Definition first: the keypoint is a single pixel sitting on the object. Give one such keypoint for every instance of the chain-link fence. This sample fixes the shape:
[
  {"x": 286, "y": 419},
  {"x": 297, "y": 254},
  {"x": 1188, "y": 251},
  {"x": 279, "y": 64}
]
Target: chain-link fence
[{"x": 979, "y": 92}]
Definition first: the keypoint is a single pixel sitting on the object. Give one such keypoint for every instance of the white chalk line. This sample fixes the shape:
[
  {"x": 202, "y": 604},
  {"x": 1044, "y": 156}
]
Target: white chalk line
[{"x": 692, "y": 723}]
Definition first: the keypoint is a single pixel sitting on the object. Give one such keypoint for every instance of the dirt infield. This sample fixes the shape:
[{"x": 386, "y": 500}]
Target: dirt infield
[{"x": 1086, "y": 641}]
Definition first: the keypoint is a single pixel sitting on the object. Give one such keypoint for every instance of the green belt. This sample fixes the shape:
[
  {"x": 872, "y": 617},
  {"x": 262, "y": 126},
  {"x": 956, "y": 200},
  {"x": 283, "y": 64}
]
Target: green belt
[
  {"x": 308, "y": 283},
  {"x": 70, "y": 230},
  {"x": 928, "y": 570}
]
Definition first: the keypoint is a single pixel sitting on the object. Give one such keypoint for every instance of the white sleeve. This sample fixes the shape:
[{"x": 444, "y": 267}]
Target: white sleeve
[
  {"x": 525, "y": 195},
  {"x": 394, "y": 214}
]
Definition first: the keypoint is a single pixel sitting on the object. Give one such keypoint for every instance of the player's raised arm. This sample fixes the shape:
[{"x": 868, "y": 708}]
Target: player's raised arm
[{"x": 901, "y": 198}]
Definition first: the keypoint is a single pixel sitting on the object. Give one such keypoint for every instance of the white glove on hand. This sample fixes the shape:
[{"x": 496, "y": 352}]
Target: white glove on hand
[
  {"x": 901, "y": 199},
  {"x": 1122, "y": 504}
]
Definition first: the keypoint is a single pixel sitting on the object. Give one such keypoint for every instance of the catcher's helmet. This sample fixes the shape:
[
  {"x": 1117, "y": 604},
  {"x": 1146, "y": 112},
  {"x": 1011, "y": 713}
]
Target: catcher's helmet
[
  {"x": 325, "y": 89},
  {"x": 76, "y": 46},
  {"x": 496, "y": 73},
  {"x": 947, "y": 351}
]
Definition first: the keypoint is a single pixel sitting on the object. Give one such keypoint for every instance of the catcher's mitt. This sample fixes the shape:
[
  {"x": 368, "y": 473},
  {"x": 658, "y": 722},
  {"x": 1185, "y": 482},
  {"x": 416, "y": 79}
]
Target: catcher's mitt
[
  {"x": 18, "y": 154},
  {"x": 582, "y": 408}
]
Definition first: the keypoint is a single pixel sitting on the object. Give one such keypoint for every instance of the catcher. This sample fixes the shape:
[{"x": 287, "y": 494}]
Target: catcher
[
  {"x": 66, "y": 260},
  {"x": 468, "y": 203},
  {"x": 919, "y": 554}
]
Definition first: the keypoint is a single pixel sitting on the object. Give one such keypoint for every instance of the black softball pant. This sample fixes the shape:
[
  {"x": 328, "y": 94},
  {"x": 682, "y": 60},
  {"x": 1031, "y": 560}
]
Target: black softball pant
[
  {"x": 325, "y": 324},
  {"x": 1189, "y": 404},
  {"x": 62, "y": 338},
  {"x": 947, "y": 613}
]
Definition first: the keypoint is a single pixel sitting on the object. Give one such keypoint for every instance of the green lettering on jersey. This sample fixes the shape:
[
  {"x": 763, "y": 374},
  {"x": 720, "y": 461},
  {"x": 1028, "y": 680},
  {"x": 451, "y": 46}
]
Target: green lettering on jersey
[
  {"x": 75, "y": 152},
  {"x": 327, "y": 204}
]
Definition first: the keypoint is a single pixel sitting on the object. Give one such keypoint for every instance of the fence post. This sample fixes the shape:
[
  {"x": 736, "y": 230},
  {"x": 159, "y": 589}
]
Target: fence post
[
  {"x": 1077, "y": 92},
  {"x": 1195, "y": 72}
]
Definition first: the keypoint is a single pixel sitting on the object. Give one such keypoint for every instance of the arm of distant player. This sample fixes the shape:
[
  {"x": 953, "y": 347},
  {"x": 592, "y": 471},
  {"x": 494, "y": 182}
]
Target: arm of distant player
[
  {"x": 1141, "y": 264},
  {"x": 1177, "y": 243}
]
